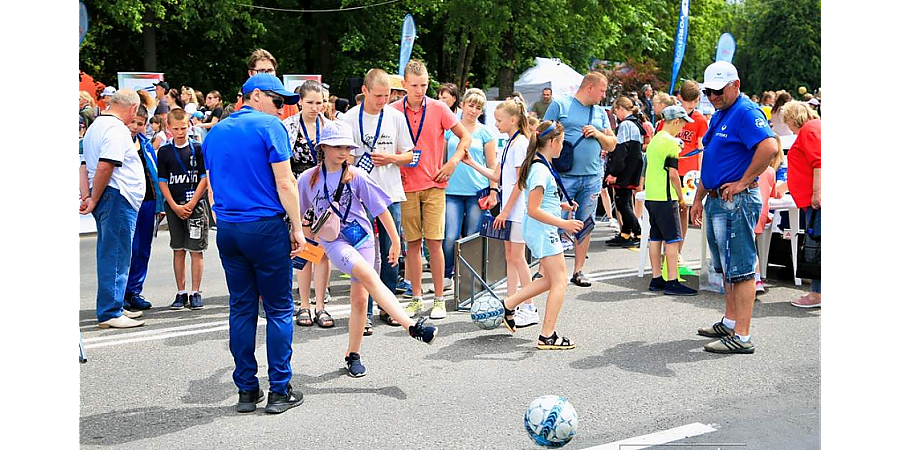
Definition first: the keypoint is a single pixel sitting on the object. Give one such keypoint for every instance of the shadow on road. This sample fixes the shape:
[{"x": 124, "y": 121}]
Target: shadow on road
[
  {"x": 489, "y": 347},
  {"x": 649, "y": 359}
]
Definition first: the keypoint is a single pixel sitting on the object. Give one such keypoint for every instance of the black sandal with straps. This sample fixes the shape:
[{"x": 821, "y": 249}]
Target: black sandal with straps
[
  {"x": 554, "y": 342},
  {"x": 509, "y": 318}
]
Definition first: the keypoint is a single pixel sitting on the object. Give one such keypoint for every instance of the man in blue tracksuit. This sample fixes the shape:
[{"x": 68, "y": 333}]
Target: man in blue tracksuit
[
  {"x": 146, "y": 218},
  {"x": 252, "y": 188}
]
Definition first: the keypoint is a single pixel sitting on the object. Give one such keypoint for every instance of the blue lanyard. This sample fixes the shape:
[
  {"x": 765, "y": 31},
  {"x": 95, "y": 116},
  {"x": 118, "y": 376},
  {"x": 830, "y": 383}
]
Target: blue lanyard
[
  {"x": 556, "y": 177},
  {"x": 329, "y": 199},
  {"x": 362, "y": 134},
  {"x": 151, "y": 154},
  {"x": 505, "y": 150},
  {"x": 312, "y": 144},
  {"x": 178, "y": 156},
  {"x": 415, "y": 138}
]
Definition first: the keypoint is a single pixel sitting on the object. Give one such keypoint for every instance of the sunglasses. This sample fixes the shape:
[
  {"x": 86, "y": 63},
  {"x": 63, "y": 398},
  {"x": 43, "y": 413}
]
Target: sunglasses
[
  {"x": 277, "y": 100},
  {"x": 718, "y": 92}
]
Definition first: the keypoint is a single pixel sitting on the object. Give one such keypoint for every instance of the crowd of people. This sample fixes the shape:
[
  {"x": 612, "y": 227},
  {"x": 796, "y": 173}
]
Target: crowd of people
[{"x": 297, "y": 183}]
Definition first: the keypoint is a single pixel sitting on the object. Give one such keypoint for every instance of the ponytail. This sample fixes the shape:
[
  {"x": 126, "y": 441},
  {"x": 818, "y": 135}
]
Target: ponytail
[
  {"x": 516, "y": 108},
  {"x": 538, "y": 140}
]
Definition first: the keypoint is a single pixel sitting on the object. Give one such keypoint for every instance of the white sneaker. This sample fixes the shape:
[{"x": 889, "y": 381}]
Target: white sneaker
[
  {"x": 121, "y": 322},
  {"x": 567, "y": 245},
  {"x": 132, "y": 314},
  {"x": 526, "y": 317},
  {"x": 439, "y": 310}
]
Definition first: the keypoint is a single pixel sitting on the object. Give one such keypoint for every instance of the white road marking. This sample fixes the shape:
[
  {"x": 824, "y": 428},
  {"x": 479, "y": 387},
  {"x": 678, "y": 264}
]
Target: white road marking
[
  {"x": 337, "y": 312},
  {"x": 658, "y": 438}
]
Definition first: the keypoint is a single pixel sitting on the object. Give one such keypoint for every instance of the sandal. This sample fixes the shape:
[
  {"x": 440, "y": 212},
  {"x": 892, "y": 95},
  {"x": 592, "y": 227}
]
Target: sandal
[
  {"x": 509, "y": 318},
  {"x": 304, "y": 319},
  {"x": 386, "y": 318},
  {"x": 368, "y": 330},
  {"x": 326, "y": 322},
  {"x": 554, "y": 343}
]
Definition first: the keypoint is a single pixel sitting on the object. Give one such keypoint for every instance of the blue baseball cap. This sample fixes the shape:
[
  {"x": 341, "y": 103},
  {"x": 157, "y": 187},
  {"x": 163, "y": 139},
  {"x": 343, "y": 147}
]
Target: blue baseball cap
[
  {"x": 268, "y": 82},
  {"x": 676, "y": 112}
]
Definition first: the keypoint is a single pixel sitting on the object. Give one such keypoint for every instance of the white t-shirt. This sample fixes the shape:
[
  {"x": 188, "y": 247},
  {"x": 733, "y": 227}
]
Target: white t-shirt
[
  {"x": 394, "y": 138},
  {"x": 514, "y": 159},
  {"x": 109, "y": 139},
  {"x": 190, "y": 108}
]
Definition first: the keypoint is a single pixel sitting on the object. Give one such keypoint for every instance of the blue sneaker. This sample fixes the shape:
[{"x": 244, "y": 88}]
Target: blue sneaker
[
  {"x": 354, "y": 365},
  {"x": 180, "y": 301},
  {"x": 136, "y": 302},
  {"x": 196, "y": 302},
  {"x": 404, "y": 288},
  {"x": 422, "y": 332}
]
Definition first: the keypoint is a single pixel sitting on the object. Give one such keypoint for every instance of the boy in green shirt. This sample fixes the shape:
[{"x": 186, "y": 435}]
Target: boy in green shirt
[{"x": 664, "y": 199}]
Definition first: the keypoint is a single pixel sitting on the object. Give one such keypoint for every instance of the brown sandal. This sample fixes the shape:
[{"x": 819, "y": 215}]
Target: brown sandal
[
  {"x": 326, "y": 322},
  {"x": 304, "y": 318},
  {"x": 386, "y": 318}
]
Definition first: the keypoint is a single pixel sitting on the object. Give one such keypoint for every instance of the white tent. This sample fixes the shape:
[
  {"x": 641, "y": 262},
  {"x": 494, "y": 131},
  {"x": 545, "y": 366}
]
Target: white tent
[{"x": 546, "y": 72}]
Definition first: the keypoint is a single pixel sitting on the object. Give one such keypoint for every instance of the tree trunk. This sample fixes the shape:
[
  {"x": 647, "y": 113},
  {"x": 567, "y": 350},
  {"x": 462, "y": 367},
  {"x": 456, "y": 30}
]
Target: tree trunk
[
  {"x": 460, "y": 58},
  {"x": 443, "y": 57},
  {"x": 508, "y": 67},
  {"x": 470, "y": 55},
  {"x": 149, "y": 34}
]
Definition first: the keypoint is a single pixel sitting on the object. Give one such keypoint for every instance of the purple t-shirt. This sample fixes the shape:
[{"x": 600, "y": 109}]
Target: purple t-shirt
[{"x": 362, "y": 190}]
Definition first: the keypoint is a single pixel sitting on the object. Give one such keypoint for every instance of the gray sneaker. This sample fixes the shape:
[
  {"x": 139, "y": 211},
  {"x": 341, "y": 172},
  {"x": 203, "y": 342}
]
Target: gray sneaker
[
  {"x": 717, "y": 330},
  {"x": 731, "y": 344}
]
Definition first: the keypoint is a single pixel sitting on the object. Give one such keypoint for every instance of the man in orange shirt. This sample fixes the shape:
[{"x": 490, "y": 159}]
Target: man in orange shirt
[
  {"x": 261, "y": 61},
  {"x": 422, "y": 214}
]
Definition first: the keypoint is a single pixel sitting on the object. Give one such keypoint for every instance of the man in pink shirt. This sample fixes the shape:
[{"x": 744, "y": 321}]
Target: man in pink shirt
[{"x": 422, "y": 214}]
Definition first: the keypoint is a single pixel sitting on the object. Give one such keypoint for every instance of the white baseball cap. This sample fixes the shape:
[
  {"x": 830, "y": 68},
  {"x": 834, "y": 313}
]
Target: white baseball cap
[
  {"x": 337, "y": 133},
  {"x": 107, "y": 91},
  {"x": 718, "y": 74}
]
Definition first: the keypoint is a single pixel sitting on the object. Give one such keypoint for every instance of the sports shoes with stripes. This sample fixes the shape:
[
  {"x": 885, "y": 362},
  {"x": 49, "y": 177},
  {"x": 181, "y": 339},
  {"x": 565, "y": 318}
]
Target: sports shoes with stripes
[
  {"x": 717, "y": 330},
  {"x": 728, "y": 345}
]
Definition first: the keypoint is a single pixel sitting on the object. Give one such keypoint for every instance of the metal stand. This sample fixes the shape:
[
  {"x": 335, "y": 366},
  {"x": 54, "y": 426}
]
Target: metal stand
[{"x": 82, "y": 357}]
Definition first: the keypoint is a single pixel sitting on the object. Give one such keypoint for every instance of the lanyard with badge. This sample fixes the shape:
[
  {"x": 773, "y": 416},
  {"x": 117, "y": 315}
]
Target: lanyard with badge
[
  {"x": 417, "y": 153},
  {"x": 365, "y": 161},
  {"x": 311, "y": 144},
  {"x": 189, "y": 193},
  {"x": 353, "y": 232}
]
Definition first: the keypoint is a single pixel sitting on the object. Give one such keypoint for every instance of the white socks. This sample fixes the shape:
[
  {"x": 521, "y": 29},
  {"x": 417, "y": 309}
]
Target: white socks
[
  {"x": 181, "y": 292},
  {"x": 744, "y": 339},
  {"x": 728, "y": 322}
]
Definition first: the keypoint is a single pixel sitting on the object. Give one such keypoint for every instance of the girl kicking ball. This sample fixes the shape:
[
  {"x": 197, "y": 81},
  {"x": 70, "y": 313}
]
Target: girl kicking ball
[
  {"x": 337, "y": 191},
  {"x": 543, "y": 205}
]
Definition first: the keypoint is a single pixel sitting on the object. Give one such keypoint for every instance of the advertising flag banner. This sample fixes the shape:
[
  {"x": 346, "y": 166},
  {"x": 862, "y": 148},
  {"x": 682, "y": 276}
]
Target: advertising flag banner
[
  {"x": 407, "y": 38},
  {"x": 680, "y": 42}
]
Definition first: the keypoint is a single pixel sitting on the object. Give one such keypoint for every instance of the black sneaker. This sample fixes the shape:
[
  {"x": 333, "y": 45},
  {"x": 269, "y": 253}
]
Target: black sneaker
[
  {"x": 673, "y": 287},
  {"x": 279, "y": 403},
  {"x": 196, "y": 302},
  {"x": 657, "y": 284},
  {"x": 355, "y": 366},
  {"x": 247, "y": 400},
  {"x": 180, "y": 301},
  {"x": 580, "y": 280},
  {"x": 138, "y": 302},
  {"x": 635, "y": 242},
  {"x": 422, "y": 332},
  {"x": 619, "y": 241}
]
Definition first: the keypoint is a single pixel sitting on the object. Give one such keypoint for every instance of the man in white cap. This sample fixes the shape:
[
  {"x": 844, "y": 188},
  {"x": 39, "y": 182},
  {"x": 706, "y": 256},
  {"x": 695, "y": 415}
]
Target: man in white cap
[
  {"x": 737, "y": 148},
  {"x": 247, "y": 158}
]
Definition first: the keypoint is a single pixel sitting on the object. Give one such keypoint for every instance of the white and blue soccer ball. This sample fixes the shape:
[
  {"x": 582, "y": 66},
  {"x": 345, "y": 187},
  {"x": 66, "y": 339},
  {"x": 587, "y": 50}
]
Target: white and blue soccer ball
[
  {"x": 551, "y": 421},
  {"x": 487, "y": 312}
]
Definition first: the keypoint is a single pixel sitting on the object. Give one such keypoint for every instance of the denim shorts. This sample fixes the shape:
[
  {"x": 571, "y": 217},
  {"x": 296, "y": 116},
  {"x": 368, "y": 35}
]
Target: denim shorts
[
  {"x": 729, "y": 232},
  {"x": 584, "y": 189}
]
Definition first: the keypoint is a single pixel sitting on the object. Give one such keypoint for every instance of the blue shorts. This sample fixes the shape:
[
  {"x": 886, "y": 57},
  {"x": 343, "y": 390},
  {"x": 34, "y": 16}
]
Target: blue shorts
[
  {"x": 585, "y": 190},
  {"x": 729, "y": 232},
  {"x": 542, "y": 239}
]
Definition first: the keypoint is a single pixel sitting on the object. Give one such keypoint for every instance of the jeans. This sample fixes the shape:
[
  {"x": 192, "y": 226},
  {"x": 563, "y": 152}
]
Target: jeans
[
  {"x": 729, "y": 232},
  {"x": 140, "y": 247},
  {"x": 388, "y": 273},
  {"x": 257, "y": 263},
  {"x": 625, "y": 205},
  {"x": 463, "y": 215},
  {"x": 585, "y": 190},
  {"x": 115, "y": 219},
  {"x": 816, "y": 226}
]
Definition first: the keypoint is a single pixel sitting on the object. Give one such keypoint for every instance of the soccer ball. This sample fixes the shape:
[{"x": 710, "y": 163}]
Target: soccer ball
[
  {"x": 487, "y": 312},
  {"x": 551, "y": 421}
]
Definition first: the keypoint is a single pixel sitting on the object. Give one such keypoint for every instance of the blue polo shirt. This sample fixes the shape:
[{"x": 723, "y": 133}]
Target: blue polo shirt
[
  {"x": 730, "y": 142},
  {"x": 574, "y": 116},
  {"x": 238, "y": 153}
]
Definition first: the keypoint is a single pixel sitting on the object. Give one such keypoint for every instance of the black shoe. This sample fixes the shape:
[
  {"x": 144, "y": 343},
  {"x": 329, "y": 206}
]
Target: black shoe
[
  {"x": 635, "y": 242},
  {"x": 657, "y": 284},
  {"x": 195, "y": 301},
  {"x": 247, "y": 400},
  {"x": 619, "y": 241},
  {"x": 355, "y": 366},
  {"x": 422, "y": 332},
  {"x": 580, "y": 280},
  {"x": 675, "y": 288},
  {"x": 136, "y": 302},
  {"x": 279, "y": 403},
  {"x": 180, "y": 301}
]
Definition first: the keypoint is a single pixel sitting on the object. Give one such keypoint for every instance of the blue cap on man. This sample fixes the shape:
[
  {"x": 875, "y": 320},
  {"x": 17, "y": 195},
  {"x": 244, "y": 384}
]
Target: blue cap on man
[{"x": 271, "y": 83}]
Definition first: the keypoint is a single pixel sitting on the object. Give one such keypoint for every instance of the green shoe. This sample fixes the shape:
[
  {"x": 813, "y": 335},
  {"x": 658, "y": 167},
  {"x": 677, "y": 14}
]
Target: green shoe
[
  {"x": 439, "y": 310},
  {"x": 413, "y": 307},
  {"x": 729, "y": 345}
]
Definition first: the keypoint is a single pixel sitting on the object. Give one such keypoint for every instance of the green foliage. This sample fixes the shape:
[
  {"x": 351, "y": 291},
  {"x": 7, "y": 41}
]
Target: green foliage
[{"x": 205, "y": 44}]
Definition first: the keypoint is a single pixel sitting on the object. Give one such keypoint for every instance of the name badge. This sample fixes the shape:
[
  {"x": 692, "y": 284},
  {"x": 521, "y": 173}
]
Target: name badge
[
  {"x": 586, "y": 231},
  {"x": 416, "y": 155},
  {"x": 355, "y": 234},
  {"x": 365, "y": 163},
  {"x": 487, "y": 228}
]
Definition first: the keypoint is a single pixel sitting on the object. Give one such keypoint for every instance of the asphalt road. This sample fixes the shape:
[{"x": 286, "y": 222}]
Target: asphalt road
[{"x": 639, "y": 369}]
